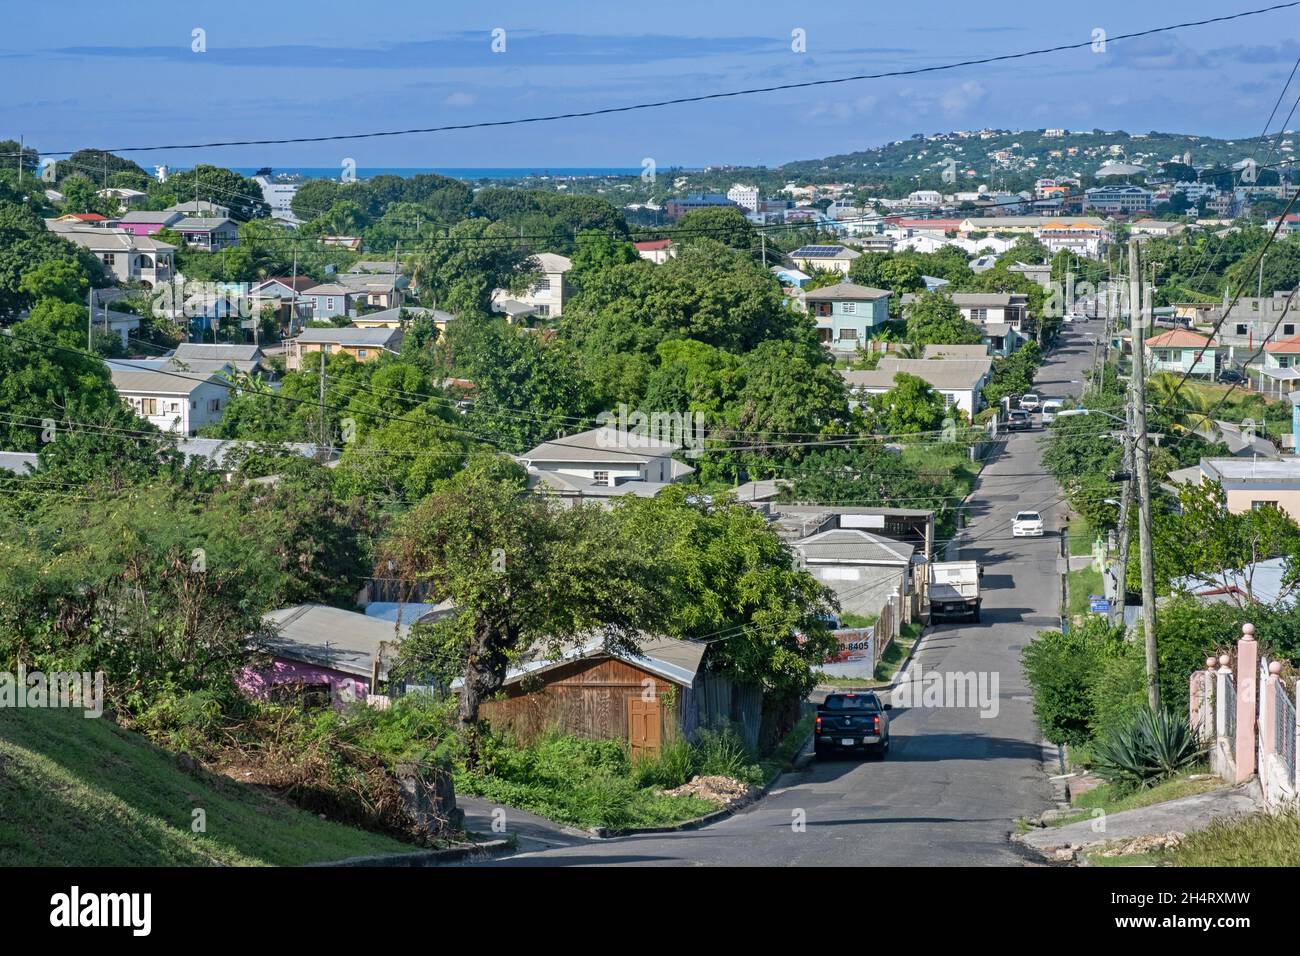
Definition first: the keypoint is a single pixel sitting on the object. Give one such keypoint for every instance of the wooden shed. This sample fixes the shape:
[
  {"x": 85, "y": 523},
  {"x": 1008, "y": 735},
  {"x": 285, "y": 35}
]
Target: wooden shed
[{"x": 591, "y": 691}]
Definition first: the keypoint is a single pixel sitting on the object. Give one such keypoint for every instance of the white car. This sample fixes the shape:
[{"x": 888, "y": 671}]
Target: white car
[
  {"x": 1029, "y": 401},
  {"x": 1027, "y": 524},
  {"x": 1050, "y": 408}
]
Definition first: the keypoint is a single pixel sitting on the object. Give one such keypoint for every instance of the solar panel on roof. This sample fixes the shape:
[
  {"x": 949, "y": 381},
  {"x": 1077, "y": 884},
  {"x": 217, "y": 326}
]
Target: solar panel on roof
[{"x": 818, "y": 250}]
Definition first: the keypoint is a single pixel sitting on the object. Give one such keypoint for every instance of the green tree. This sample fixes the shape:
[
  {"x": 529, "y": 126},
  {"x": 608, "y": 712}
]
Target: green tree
[{"x": 934, "y": 319}]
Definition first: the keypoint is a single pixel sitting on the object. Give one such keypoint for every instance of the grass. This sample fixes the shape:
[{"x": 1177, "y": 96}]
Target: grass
[
  {"x": 1259, "y": 840},
  {"x": 1109, "y": 800},
  {"x": 1081, "y": 536},
  {"x": 79, "y": 792},
  {"x": 782, "y": 757},
  {"x": 1081, "y": 584},
  {"x": 1272, "y": 417}
]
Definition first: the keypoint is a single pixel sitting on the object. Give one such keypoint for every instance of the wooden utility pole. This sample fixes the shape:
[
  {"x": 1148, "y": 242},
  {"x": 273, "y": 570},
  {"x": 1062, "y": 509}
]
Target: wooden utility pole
[
  {"x": 320, "y": 440},
  {"x": 1141, "y": 473},
  {"x": 1125, "y": 517}
]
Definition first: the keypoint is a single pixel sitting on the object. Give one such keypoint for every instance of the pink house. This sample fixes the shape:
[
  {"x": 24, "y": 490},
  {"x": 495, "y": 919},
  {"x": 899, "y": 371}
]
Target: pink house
[
  {"x": 325, "y": 654},
  {"x": 144, "y": 223}
]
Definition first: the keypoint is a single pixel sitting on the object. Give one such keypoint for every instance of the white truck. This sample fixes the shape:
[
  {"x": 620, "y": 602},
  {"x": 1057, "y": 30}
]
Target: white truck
[{"x": 955, "y": 589}]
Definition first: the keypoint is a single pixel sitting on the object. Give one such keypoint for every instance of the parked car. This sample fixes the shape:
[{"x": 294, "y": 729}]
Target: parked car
[
  {"x": 1027, "y": 524},
  {"x": 852, "y": 722},
  {"x": 1019, "y": 420},
  {"x": 1050, "y": 408},
  {"x": 1230, "y": 376},
  {"x": 1030, "y": 401}
]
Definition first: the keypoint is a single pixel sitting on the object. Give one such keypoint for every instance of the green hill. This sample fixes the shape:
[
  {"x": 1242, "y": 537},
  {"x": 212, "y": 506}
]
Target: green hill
[{"x": 85, "y": 792}]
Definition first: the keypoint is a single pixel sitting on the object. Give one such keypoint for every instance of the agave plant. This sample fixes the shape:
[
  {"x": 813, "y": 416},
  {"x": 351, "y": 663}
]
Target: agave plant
[{"x": 1152, "y": 746}]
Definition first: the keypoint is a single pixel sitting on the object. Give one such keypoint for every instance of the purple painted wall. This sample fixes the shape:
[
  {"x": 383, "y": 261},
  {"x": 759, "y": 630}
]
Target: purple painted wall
[
  {"x": 140, "y": 228},
  {"x": 344, "y": 688}
]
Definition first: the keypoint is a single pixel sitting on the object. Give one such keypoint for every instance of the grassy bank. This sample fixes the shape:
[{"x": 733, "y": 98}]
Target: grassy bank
[
  {"x": 79, "y": 792},
  {"x": 1081, "y": 535},
  {"x": 1081, "y": 584},
  {"x": 1108, "y": 799}
]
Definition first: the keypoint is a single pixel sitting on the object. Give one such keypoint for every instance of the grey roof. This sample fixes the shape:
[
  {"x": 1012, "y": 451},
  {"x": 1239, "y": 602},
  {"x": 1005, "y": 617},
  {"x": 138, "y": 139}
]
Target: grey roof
[
  {"x": 978, "y": 351},
  {"x": 977, "y": 299},
  {"x": 200, "y": 206},
  {"x": 345, "y": 641},
  {"x": 667, "y": 657},
  {"x": 369, "y": 282},
  {"x": 328, "y": 288},
  {"x": 1266, "y": 580},
  {"x": 371, "y": 266},
  {"x": 1252, "y": 471},
  {"x": 513, "y": 307},
  {"x": 854, "y": 546},
  {"x": 199, "y": 224},
  {"x": 18, "y": 462},
  {"x": 602, "y": 445},
  {"x": 113, "y": 240},
  {"x": 395, "y": 314},
  {"x": 843, "y": 291},
  {"x": 149, "y": 217},
  {"x": 215, "y": 352},
  {"x": 347, "y": 335},
  {"x": 551, "y": 262},
  {"x": 939, "y": 373},
  {"x": 150, "y": 379}
]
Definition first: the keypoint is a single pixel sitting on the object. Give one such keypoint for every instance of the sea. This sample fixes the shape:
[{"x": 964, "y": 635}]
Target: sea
[{"x": 467, "y": 173}]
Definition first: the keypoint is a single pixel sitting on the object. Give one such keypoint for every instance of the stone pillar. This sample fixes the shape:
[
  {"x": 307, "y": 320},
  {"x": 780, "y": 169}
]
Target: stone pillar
[{"x": 1247, "y": 681}]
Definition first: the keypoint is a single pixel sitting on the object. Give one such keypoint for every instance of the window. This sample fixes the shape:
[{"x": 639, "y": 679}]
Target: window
[
  {"x": 1284, "y": 361},
  {"x": 849, "y": 308},
  {"x": 543, "y": 311},
  {"x": 214, "y": 405},
  {"x": 949, "y": 399},
  {"x": 361, "y": 353},
  {"x": 848, "y": 335},
  {"x": 979, "y": 315},
  {"x": 601, "y": 477},
  {"x": 329, "y": 303},
  {"x": 1257, "y": 505},
  {"x": 1288, "y": 329},
  {"x": 1241, "y": 328},
  {"x": 543, "y": 284},
  {"x": 148, "y": 406}
]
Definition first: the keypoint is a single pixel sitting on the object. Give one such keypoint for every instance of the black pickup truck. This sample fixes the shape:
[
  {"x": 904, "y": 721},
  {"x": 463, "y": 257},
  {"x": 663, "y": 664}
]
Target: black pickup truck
[{"x": 852, "y": 722}]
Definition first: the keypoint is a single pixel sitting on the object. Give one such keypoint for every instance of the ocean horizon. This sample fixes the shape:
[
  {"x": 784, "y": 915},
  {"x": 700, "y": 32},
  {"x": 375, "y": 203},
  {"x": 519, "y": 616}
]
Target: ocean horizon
[{"x": 454, "y": 172}]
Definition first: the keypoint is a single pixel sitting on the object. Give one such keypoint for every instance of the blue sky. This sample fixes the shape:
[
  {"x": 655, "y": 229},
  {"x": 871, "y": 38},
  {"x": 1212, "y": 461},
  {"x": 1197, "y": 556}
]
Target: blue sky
[{"x": 79, "y": 74}]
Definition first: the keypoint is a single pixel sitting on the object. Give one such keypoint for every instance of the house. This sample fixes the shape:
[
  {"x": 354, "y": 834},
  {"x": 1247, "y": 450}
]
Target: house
[
  {"x": 283, "y": 294},
  {"x": 352, "y": 243},
  {"x": 364, "y": 345},
  {"x": 1042, "y": 274},
  {"x": 399, "y": 318},
  {"x": 1182, "y": 352},
  {"x": 604, "y": 458},
  {"x": 657, "y": 251},
  {"x": 1250, "y": 483},
  {"x": 383, "y": 291},
  {"x": 790, "y": 278},
  {"x": 83, "y": 218},
  {"x": 825, "y": 258},
  {"x": 208, "y": 234},
  {"x": 981, "y": 308},
  {"x": 174, "y": 400},
  {"x": 674, "y": 209},
  {"x": 1078, "y": 238},
  {"x": 516, "y": 312},
  {"x": 1002, "y": 338},
  {"x": 129, "y": 257},
  {"x": 1244, "y": 324},
  {"x": 846, "y": 313},
  {"x": 863, "y": 569},
  {"x": 1281, "y": 366},
  {"x": 125, "y": 198},
  {"x": 959, "y": 381},
  {"x": 201, "y": 208},
  {"x": 664, "y": 690},
  {"x": 146, "y": 223},
  {"x": 327, "y": 300},
  {"x": 913, "y": 527},
  {"x": 1158, "y": 228},
  {"x": 322, "y": 655},
  {"x": 120, "y": 323},
  {"x": 548, "y": 293},
  {"x": 196, "y": 355},
  {"x": 1259, "y": 582}
]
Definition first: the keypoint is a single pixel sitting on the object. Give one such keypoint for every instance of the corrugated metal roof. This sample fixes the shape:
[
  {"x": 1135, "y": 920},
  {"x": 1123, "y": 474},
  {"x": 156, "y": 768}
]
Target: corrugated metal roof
[
  {"x": 345, "y": 641},
  {"x": 602, "y": 444},
  {"x": 854, "y": 546}
]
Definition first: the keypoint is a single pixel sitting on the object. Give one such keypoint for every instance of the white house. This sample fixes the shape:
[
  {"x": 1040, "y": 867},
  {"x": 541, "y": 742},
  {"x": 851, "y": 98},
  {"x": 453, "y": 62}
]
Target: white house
[
  {"x": 605, "y": 457},
  {"x": 175, "y": 401},
  {"x": 128, "y": 257},
  {"x": 959, "y": 381},
  {"x": 547, "y": 295}
]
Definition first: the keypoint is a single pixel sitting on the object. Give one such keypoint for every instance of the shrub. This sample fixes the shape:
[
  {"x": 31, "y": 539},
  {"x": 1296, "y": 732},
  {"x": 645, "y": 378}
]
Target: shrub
[
  {"x": 1062, "y": 670},
  {"x": 724, "y": 754},
  {"x": 1152, "y": 746}
]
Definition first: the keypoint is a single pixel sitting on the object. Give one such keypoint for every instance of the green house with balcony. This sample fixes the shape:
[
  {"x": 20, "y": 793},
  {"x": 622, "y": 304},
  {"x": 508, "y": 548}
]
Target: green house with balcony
[{"x": 846, "y": 314}]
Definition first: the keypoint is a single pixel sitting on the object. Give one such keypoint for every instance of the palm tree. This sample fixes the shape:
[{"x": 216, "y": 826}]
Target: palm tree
[{"x": 1189, "y": 408}]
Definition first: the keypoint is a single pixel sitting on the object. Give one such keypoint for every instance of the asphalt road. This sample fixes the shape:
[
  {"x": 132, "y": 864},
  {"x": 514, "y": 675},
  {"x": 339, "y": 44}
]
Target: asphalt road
[{"x": 954, "y": 780}]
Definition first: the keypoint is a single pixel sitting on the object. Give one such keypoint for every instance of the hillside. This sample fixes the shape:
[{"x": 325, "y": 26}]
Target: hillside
[{"x": 78, "y": 792}]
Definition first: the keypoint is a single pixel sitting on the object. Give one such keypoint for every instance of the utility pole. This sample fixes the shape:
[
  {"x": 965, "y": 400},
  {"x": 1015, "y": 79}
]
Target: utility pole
[
  {"x": 320, "y": 440},
  {"x": 1125, "y": 515},
  {"x": 90, "y": 320},
  {"x": 1142, "y": 475},
  {"x": 763, "y": 236}
]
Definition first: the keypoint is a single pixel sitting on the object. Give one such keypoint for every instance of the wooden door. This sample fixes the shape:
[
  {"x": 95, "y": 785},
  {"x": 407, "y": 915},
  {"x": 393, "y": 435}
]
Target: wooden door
[{"x": 644, "y": 727}]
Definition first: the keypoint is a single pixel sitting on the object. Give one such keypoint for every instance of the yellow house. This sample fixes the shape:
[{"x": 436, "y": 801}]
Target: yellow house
[{"x": 364, "y": 345}]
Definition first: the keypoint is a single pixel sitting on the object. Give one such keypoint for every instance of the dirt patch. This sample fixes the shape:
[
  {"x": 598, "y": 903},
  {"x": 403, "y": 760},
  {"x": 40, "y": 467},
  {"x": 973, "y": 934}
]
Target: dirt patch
[
  {"x": 726, "y": 791},
  {"x": 1147, "y": 843}
]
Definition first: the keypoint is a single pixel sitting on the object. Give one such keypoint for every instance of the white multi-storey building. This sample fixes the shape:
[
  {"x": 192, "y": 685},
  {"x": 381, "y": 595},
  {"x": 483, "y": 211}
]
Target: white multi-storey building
[{"x": 744, "y": 196}]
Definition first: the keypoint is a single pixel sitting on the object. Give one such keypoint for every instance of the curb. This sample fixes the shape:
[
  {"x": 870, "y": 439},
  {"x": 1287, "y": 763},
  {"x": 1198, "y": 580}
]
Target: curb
[
  {"x": 800, "y": 761},
  {"x": 449, "y": 854}
]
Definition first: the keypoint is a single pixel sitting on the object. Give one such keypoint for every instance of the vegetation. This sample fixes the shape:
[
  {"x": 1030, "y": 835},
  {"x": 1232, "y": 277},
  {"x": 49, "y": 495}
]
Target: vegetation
[{"x": 1152, "y": 746}]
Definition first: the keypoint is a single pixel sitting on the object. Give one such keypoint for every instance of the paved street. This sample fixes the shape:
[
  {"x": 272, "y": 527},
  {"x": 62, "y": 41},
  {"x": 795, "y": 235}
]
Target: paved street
[{"x": 954, "y": 780}]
